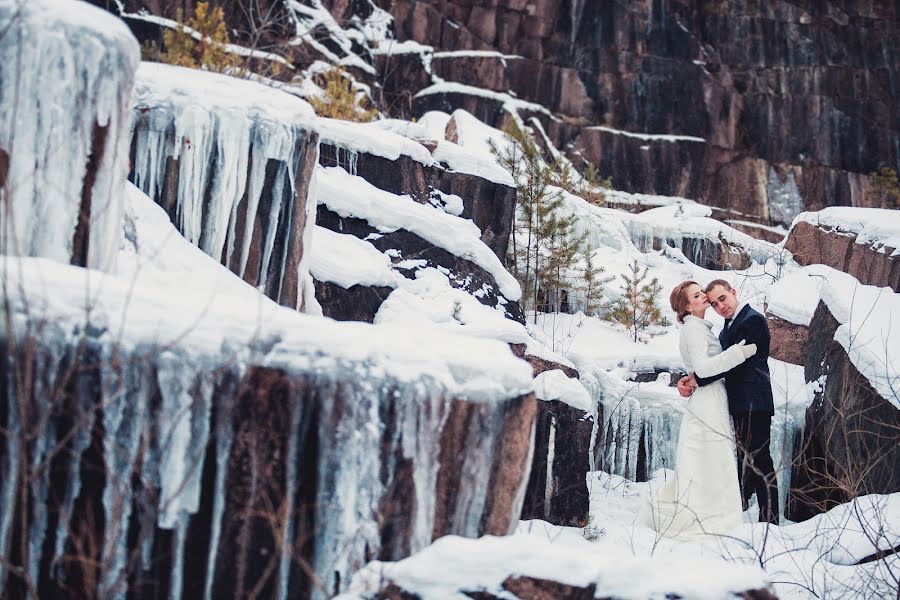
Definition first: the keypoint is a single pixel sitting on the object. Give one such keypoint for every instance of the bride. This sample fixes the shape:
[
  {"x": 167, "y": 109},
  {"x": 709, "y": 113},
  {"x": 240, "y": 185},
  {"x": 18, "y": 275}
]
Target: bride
[{"x": 704, "y": 496}]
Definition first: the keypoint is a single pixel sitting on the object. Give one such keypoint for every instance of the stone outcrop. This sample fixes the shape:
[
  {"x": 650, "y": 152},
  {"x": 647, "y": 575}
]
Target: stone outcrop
[
  {"x": 789, "y": 341},
  {"x": 250, "y": 491},
  {"x": 557, "y": 488},
  {"x": 851, "y": 441},
  {"x": 488, "y": 204},
  {"x": 818, "y": 244},
  {"x": 233, "y": 178}
]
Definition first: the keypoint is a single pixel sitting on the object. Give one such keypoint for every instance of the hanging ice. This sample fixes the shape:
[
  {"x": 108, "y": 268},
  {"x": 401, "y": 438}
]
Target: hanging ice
[{"x": 66, "y": 74}]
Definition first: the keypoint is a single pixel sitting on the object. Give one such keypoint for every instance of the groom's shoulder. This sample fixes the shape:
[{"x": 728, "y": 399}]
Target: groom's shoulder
[{"x": 754, "y": 316}]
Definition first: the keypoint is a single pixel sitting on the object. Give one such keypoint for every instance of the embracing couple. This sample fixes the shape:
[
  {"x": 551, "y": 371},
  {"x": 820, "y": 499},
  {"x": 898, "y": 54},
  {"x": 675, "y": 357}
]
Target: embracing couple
[{"x": 727, "y": 375}]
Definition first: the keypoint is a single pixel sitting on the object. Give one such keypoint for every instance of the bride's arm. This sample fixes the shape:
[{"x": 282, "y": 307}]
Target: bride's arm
[{"x": 709, "y": 366}]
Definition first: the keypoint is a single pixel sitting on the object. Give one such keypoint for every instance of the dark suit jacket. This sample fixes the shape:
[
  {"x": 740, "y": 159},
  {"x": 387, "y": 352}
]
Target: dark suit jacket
[{"x": 749, "y": 384}]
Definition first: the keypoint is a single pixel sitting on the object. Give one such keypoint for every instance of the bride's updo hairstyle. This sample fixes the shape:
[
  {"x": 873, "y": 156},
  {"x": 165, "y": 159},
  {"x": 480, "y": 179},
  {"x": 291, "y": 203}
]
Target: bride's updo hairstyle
[{"x": 679, "y": 301}]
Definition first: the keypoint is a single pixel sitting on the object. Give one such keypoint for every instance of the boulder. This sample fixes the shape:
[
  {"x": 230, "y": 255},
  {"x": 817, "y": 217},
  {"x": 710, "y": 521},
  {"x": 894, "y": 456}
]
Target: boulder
[
  {"x": 789, "y": 341},
  {"x": 820, "y": 244},
  {"x": 557, "y": 488},
  {"x": 851, "y": 441}
]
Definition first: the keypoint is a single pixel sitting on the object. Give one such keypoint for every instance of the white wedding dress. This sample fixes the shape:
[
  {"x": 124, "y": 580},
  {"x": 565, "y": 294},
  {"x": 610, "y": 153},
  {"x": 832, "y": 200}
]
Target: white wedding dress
[{"x": 704, "y": 497}]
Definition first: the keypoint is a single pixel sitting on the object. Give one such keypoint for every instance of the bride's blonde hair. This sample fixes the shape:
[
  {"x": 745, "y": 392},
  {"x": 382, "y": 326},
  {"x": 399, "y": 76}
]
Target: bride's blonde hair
[{"x": 679, "y": 301}]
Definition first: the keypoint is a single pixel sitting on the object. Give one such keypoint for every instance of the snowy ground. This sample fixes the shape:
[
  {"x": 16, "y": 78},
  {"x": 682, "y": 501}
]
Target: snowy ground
[{"x": 812, "y": 559}]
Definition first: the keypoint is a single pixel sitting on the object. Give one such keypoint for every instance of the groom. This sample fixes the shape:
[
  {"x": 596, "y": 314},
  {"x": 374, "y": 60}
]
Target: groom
[{"x": 749, "y": 396}]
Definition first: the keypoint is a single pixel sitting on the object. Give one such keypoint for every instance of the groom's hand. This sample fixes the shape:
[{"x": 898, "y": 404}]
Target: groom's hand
[{"x": 686, "y": 385}]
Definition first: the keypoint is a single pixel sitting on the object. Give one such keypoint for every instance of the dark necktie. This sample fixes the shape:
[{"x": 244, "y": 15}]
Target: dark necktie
[{"x": 727, "y": 324}]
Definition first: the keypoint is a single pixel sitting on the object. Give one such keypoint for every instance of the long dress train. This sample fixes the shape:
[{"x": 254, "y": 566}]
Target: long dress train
[{"x": 704, "y": 496}]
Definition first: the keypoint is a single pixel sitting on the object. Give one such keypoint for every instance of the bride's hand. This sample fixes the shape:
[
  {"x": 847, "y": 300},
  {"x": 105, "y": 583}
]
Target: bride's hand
[{"x": 747, "y": 350}]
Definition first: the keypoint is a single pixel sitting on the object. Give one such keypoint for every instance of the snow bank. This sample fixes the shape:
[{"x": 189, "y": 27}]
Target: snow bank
[
  {"x": 66, "y": 73},
  {"x": 453, "y": 564},
  {"x": 167, "y": 293},
  {"x": 351, "y": 196},
  {"x": 875, "y": 227},
  {"x": 814, "y": 559}
]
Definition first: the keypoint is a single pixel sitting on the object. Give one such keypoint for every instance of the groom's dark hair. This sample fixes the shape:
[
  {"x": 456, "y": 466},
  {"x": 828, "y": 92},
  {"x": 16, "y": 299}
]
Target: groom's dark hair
[{"x": 716, "y": 282}]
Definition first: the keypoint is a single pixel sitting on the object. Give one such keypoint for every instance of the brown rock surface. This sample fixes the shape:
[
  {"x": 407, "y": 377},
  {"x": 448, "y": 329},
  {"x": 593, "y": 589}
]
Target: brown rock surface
[
  {"x": 788, "y": 340},
  {"x": 817, "y": 244}
]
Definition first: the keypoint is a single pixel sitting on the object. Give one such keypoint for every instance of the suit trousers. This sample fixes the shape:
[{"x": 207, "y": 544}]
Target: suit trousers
[{"x": 756, "y": 472}]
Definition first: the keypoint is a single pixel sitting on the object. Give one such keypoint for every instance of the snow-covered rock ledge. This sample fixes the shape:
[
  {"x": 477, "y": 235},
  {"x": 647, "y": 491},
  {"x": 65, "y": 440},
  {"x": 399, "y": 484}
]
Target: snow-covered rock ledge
[
  {"x": 864, "y": 242},
  {"x": 216, "y": 419},
  {"x": 232, "y": 162}
]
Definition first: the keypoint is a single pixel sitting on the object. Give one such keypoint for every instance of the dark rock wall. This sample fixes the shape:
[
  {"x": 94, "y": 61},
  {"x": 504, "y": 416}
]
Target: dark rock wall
[
  {"x": 851, "y": 441},
  {"x": 786, "y": 95}
]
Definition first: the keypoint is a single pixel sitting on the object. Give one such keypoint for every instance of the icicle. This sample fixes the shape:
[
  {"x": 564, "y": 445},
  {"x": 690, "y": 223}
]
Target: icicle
[
  {"x": 224, "y": 441},
  {"x": 126, "y": 397},
  {"x": 183, "y": 425},
  {"x": 278, "y": 192}
]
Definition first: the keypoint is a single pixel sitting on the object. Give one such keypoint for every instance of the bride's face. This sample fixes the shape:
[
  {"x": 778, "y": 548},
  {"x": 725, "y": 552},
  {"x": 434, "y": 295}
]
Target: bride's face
[{"x": 697, "y": 302}]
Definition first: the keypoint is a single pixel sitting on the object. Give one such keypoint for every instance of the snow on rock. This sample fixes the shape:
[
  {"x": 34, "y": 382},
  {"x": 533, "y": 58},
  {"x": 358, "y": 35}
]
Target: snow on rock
[
  {"x": 795, "y": 296},
  {"x": 452, "y": 565},
  {"x": 371, "y": 138},
  {"x": 878, "y": 228},
  {"x": 350, "y": 196},
  {"x": 869, "y": 318},
  {"x": 347, "y": 261},
  {"x": 556, "y": 385},
  {"x": 241, "y": 156},
  {"x": 66, "y": 74},
  {"x": 467, "y": 153},
  {"x": 429, "y": 298},
  {"x": 167, "y": 291}
]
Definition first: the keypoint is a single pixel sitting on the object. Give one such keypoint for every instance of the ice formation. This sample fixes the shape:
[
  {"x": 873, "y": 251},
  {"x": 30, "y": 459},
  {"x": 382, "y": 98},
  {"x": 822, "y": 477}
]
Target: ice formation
[
  {"x": 66, "y": 73},
  {"x": 224, "y": 156}
]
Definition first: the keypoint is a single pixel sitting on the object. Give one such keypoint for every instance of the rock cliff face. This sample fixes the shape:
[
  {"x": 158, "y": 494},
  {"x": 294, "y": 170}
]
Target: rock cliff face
[
  {"x": 850, "y": 441},
  {"x": 223, "y": 479},
  {"x": 765, "y": 109}
]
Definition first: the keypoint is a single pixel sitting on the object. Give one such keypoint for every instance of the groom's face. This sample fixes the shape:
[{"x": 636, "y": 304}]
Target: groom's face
[{"x": 723, "y": 301}]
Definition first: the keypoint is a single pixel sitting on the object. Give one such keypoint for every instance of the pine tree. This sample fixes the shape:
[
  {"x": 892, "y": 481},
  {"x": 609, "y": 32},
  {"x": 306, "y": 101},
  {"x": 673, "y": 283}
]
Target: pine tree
[
  {"x": 340, "y": 100},
  {"x": 593, "y": 284},
  {"x": 544, "y": 244},
  {"x": 637, "y": 307}
]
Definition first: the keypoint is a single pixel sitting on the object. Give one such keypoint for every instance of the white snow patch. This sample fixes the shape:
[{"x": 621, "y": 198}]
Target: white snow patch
[
  {"x": 556, "y": 385},
  {"x": 347, "y": 261},
  {"x": 353, "y": 196}
]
